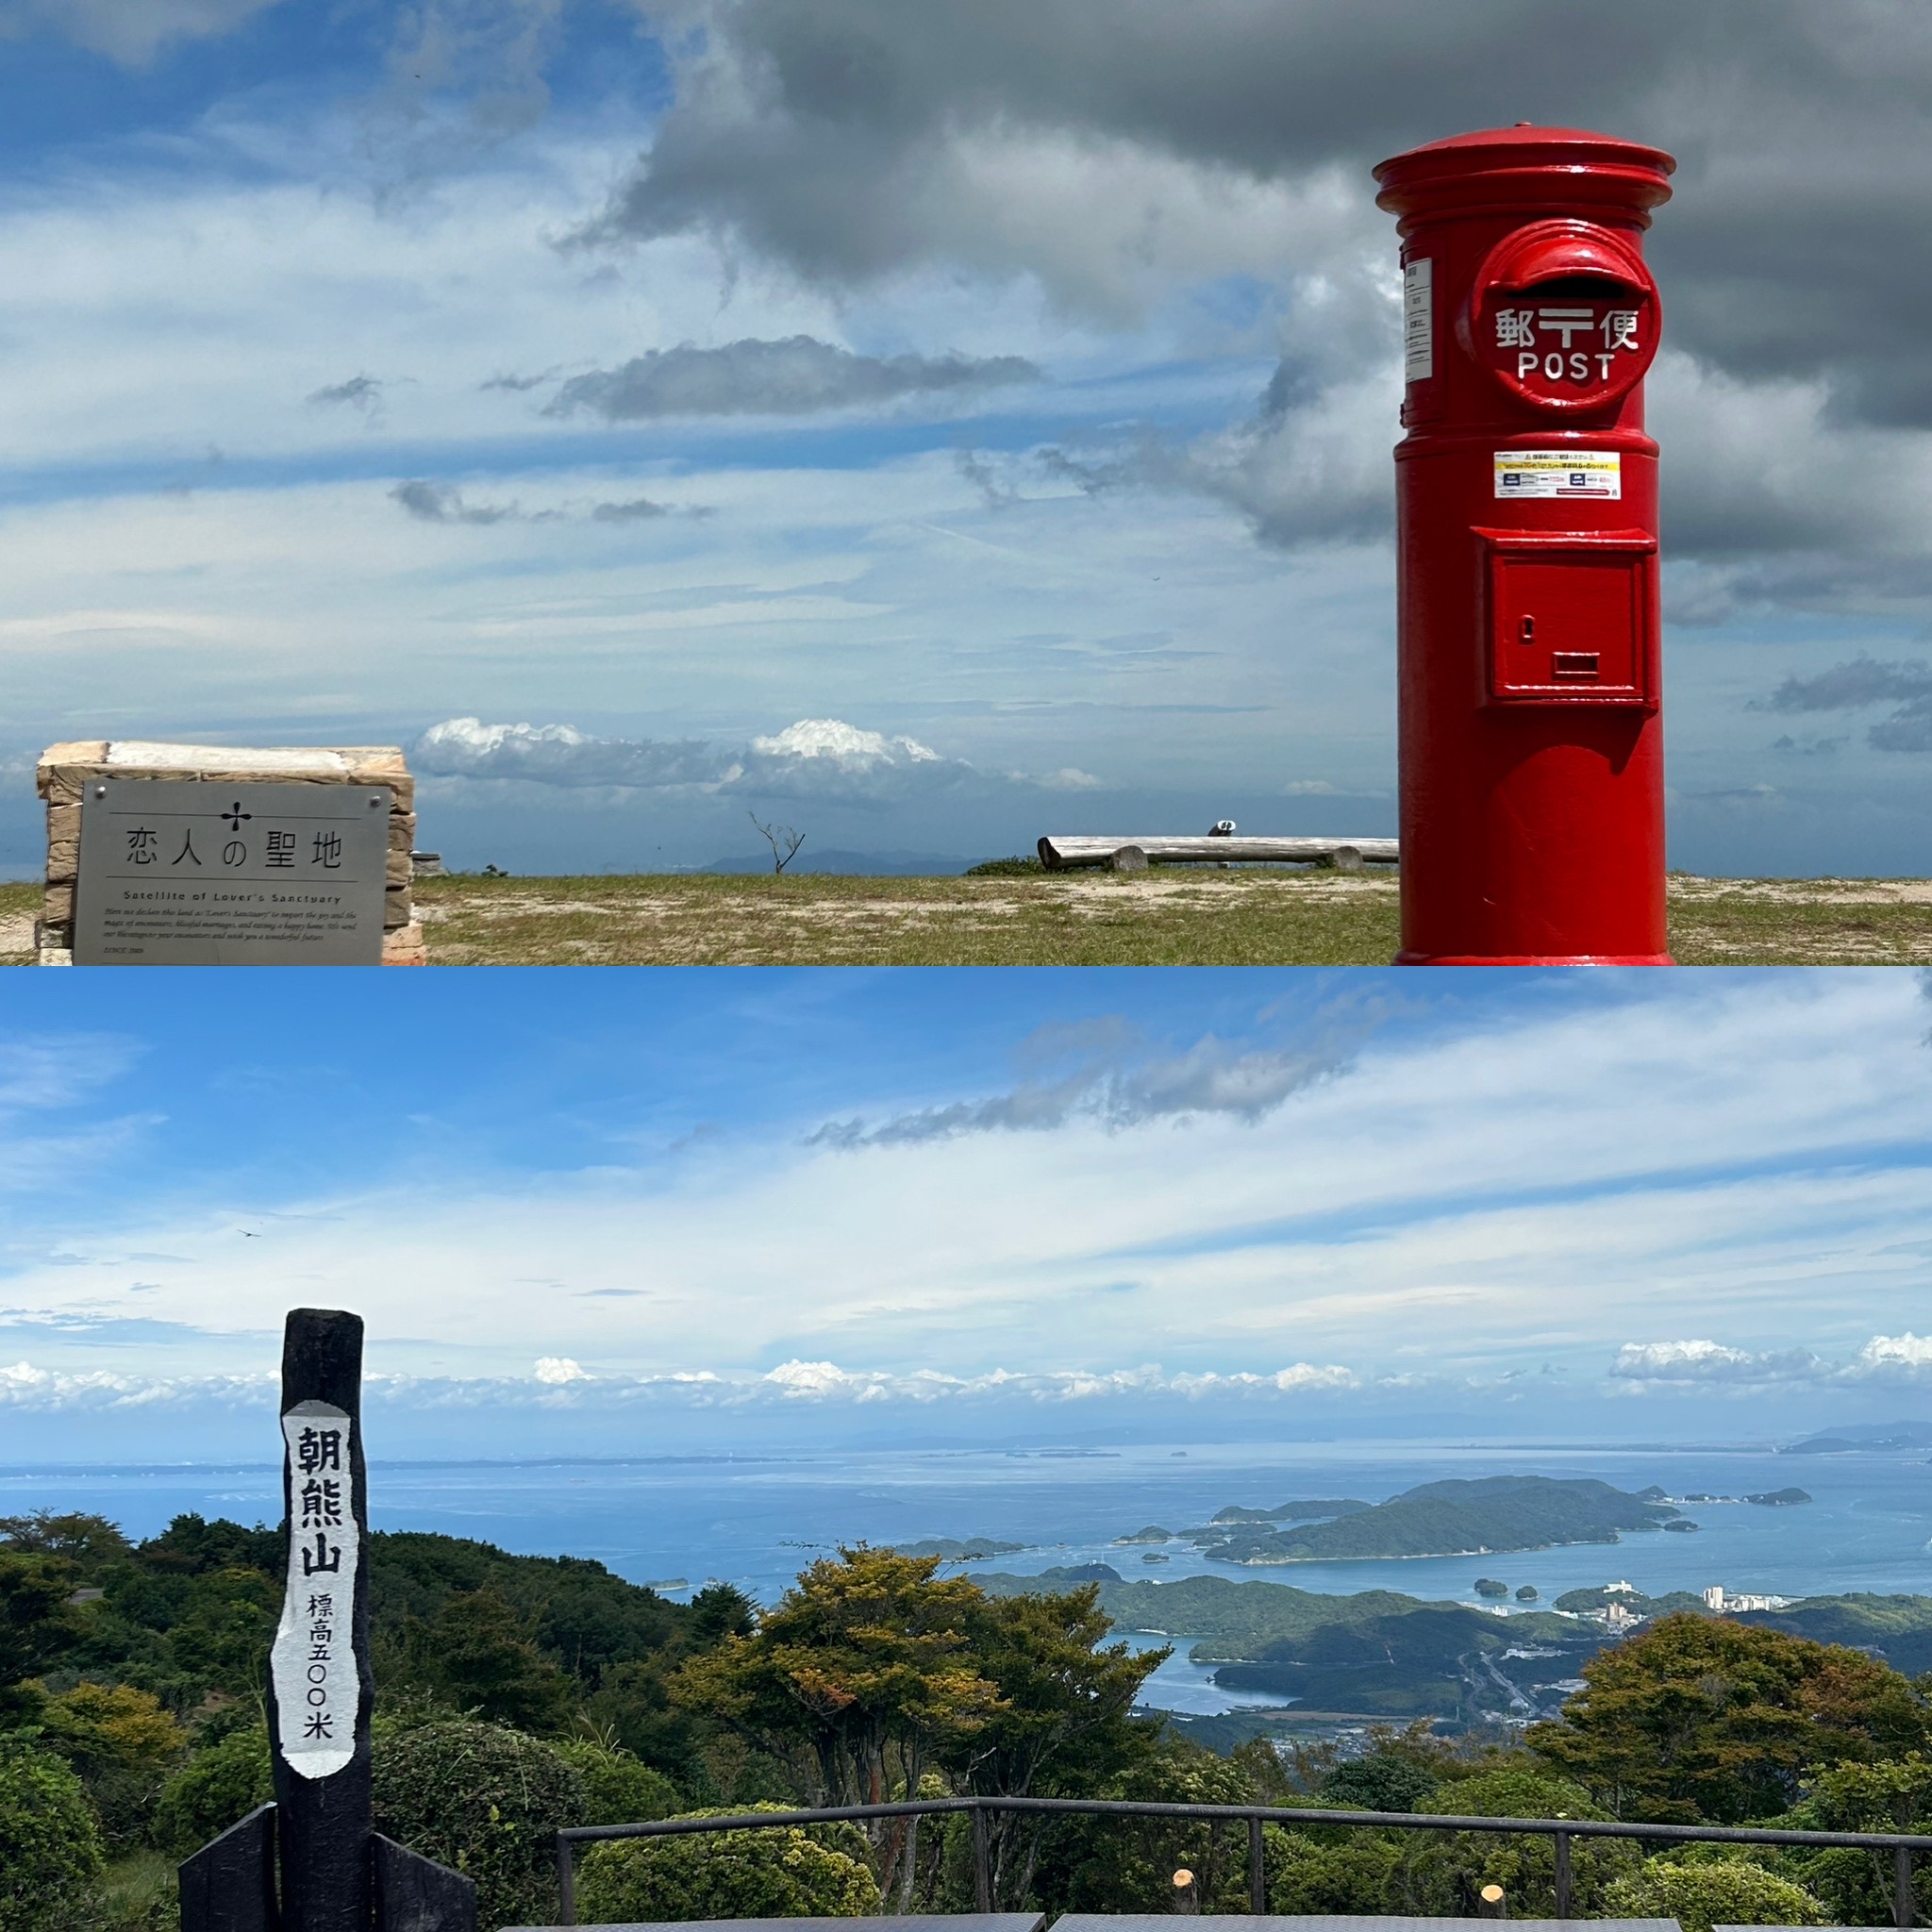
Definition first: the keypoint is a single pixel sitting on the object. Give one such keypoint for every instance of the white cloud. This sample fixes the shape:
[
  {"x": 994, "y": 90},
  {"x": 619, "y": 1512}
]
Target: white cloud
[
  {"x": 1448, "y": 1197},
  {"x": 1711, "y": 1362},
  {"x": 1883, "y": 1359},
  {"x": 816, "y": 758},
  {"x": 129, "y": 32},
  {"x": 1307, "y": 1376},
  {"x": 61, "y": 1069},
  {"x": 830, "y": 737},
  {"x": 1890, "y": 1355},
  {"x": 559, "y": 1380},
  {"x": 24, "y": 1387}
]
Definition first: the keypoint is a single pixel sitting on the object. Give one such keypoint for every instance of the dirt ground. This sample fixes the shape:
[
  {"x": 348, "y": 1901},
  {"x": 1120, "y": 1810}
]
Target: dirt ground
[{"x": 1164, "y": 918}]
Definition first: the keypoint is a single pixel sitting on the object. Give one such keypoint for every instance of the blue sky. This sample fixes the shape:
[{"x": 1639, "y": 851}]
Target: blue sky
[
  {"x": 929, "y": 427},
  {"x": 624, "y": 1212}
]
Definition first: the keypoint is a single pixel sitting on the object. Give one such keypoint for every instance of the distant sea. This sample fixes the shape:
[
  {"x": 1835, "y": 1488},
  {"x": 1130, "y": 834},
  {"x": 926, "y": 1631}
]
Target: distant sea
[{"x": 755, "y": 1521}]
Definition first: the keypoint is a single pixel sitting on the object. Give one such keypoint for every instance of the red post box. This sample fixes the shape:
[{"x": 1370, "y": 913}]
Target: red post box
[{"x": 1530, "y": 737}]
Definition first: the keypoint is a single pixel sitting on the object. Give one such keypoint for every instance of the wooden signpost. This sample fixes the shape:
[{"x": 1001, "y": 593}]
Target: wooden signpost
[{"x": 336, "y": 1872}]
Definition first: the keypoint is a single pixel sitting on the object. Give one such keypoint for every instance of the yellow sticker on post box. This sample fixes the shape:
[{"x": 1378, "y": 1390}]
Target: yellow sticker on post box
[{"x": 1560, "y": 473}]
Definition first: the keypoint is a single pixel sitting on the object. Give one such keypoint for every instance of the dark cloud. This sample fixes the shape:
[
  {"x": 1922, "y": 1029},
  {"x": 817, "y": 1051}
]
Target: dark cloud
[
  {"x": 639, "y": 509},
  {"x": 1310, "y": 472},
  {"x": 798, "y": 376},
  {"x": 830, "y": 137},
  {"x": 1861, "y": 684},
  {"x": 430, "y": 501},
  {"x": 1107, "y": 1072},
  {"x": 442, "y": 502},
  {"x": 363, "y": 393}
]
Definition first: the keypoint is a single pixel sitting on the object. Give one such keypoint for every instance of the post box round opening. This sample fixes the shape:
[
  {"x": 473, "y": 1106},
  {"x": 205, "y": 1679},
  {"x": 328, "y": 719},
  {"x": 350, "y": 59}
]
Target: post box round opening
[{"x": 1563, "y": 315}]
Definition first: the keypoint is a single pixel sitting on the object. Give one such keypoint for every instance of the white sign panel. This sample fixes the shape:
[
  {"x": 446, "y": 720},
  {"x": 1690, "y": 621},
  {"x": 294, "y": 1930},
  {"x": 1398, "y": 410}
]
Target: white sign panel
[
  {"x": 1597, "y": 472},
  {"x": 1418, "y": 320},
  {"x": 313, "y": 1659}
]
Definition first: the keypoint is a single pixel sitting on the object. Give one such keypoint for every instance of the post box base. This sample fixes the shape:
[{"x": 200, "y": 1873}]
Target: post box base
[{"x": 1410, "y": 958}]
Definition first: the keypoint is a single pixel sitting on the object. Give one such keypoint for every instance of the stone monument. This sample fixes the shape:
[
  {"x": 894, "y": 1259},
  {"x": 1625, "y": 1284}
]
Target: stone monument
[{"x": 210, "y": 854}]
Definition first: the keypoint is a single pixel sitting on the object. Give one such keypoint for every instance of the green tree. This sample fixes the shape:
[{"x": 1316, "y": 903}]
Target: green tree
[
  {"x": 482, "y": 1656},
  {"x": 90, "y": 1542},
  {"x": 1855, "y": 1885},
  {"x": 1127, "y": 1864},
  {"x": 486, "y": 1800},
  {"x": 1700, "y": 1717},
  {"x": 1354, "y": 1874},
  {"x": 862, "y": 1673},
  {"x": 1447, "y": 1870},
  {"x": 1381, "y": 1780},
  {"x": 225, "y": 1623},
  {"x": 50, "y": 1846},
  {"x": 1712, "y": 1891},
  {"x": 780, "y": 1872},
  {"x": 123, "y": 1744},
  {"x": 632, "y": 1703},
  {"x": 222, "y": 1783},
  {"x": 618, "y": 1787},
  {"x": 37, "y": 1624},
  {"x": 1063, "y": 1724}
]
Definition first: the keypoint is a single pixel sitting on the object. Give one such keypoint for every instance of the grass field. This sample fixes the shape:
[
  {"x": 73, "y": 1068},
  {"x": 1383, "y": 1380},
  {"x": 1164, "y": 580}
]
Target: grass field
[{"x": 1163, "y": 918}]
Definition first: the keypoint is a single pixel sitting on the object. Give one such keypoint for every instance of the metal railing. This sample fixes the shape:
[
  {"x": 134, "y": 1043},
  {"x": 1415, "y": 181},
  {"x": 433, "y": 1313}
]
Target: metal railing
[{"x": 1563, "y": 1830}]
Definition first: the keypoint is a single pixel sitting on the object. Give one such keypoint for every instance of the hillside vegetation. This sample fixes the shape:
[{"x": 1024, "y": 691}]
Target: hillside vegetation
[{"x": 517, "y": 1695}]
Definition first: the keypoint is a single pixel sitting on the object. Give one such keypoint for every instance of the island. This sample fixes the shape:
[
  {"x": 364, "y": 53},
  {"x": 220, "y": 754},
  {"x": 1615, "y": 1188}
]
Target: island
[
  {"x": 1473, "y": 1517},
  {"x": 976, "y": 1549},
  {"x": 1305, "y": 1509}
]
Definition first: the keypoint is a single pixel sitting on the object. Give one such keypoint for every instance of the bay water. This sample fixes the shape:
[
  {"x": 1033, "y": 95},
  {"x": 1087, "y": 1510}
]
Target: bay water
[{"x": 755, "y": 1521}]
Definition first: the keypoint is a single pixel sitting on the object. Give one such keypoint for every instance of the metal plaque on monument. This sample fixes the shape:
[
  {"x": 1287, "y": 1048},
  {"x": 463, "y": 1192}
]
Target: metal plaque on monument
[{"x": 234, "y": 874}]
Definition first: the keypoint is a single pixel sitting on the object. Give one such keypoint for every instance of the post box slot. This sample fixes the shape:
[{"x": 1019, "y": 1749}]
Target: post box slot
[
  {"x": 1582, "y": 288},
  {"x": 1569, "y": 619}
]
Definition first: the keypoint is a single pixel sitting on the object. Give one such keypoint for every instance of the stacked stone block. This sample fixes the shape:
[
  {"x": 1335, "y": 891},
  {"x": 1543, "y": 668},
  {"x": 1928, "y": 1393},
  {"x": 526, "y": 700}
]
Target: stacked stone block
[{"x": 65, "y": 769}]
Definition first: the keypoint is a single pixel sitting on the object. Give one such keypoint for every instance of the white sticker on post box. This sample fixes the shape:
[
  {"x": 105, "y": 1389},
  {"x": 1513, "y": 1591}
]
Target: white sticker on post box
[
  {"x": 1418, "y": 320},
  {"x": 1560, "y": 473}
]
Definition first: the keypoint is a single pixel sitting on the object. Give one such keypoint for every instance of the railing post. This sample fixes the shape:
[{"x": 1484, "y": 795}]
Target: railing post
[
  {"x": 566, "y": 1881},
  {"x": 1562, "y": 1874},
  {"x": 1257, "y": 1869},
  {"x": 982, "y": 1860},
  {"x": 1902, "y": 1885}
]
